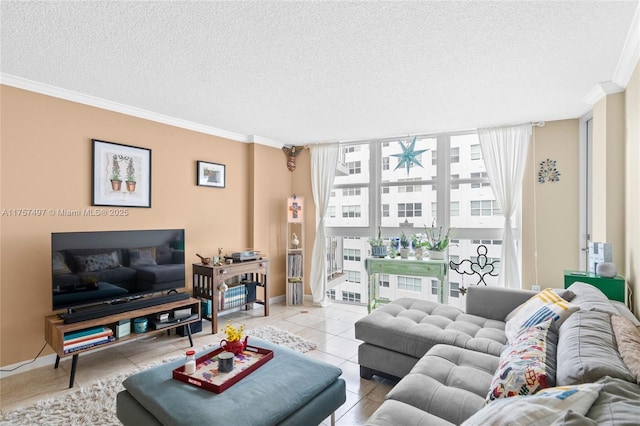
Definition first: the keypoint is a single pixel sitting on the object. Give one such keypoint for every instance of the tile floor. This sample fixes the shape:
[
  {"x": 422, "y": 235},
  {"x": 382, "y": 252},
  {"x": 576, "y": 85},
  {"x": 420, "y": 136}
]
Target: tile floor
[{"x": 331, "y": 328}]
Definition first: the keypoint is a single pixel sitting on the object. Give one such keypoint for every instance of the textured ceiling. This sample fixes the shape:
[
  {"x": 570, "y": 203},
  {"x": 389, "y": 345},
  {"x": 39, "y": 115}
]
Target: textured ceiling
[{"x": 303, "y": 72}]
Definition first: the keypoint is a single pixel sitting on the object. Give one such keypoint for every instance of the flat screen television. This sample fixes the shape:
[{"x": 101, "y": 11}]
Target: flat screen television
[{"x": 94, "y": 268}]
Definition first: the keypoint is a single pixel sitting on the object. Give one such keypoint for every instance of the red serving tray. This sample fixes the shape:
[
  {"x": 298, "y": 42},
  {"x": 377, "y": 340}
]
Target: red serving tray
[{"x": 208, "y": 377}]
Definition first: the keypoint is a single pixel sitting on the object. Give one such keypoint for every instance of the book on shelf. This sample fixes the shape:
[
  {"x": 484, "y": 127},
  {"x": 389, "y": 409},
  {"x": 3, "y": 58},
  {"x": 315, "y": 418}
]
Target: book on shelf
[
  {"x": 88, "y": 344},
  {"x": 105, "y": 333},
  {"x": 84, "y": 333},
  {"x": 295, "y": 263}
]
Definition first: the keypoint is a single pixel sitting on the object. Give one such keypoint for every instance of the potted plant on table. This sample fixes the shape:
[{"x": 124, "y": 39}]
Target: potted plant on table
[
  {"x": 378, "y": 249},
  {"x": 404, "y": 246},
  {"x": 419, "y": 244},
  {"x": 437, "y": 241}
]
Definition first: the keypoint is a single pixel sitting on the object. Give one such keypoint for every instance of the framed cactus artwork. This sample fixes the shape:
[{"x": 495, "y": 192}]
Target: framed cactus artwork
[{"x": 121, "y": 175}]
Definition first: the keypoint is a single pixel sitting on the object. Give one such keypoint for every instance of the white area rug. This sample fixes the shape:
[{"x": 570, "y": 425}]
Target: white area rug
[{"x": 96, "y": 404}]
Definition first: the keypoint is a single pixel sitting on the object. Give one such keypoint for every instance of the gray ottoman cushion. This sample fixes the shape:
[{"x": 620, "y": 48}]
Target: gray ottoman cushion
[
  {"x": 412, "y": 327},
  {"x": 448, "y": 382}
]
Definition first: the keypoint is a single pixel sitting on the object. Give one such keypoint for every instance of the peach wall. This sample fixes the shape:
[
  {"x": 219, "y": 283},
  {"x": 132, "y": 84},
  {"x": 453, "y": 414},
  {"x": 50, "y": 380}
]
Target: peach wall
[
  {"x": 556, "y": 207},
  {"x": 46, "y": 163}
]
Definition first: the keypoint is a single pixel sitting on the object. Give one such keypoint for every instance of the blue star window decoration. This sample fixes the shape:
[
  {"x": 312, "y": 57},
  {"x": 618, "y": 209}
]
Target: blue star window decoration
[
  {"x": 408, "y": 157},
  {"x": 548, "y": 171}
]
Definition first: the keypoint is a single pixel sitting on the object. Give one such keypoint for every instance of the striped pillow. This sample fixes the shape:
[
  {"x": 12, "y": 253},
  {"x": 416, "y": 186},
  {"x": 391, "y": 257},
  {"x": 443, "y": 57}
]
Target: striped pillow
[{"x": 546, "y": 305}]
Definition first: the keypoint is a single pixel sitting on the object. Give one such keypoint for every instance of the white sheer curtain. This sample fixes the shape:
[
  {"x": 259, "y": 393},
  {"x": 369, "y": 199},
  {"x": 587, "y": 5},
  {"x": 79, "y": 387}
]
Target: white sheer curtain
[
  {"x": 324, "y": 160},
  {"x": 504, "y": 150}
]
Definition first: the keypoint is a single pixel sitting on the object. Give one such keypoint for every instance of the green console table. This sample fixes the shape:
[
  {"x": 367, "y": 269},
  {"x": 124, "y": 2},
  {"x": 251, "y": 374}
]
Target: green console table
[
  {"x": 613, "y": 288},
  {"x": 408, "y": 267}
]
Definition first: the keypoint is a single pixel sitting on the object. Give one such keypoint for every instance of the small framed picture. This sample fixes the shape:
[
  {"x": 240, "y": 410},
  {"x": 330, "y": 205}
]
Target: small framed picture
[
  {"x": 211, "y": 174},
  {"x": 121, "y": 175}
]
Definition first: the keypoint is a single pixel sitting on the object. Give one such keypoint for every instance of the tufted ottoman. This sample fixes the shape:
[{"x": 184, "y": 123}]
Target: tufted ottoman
[
  {"x": 398, "y": 334},
  {"x": 447, "y": 386},
  {"x": 290, "y": 389}
]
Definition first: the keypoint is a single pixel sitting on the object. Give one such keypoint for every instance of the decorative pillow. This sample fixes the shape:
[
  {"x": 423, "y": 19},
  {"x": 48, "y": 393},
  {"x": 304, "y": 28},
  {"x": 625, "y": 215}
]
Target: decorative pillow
[
  {"x": 97, "y": 262},
  {"x": 587, "y": 350},
  {"x": 526, "y": 366},
  {"x": 566, "y": 294},
  {"x": 540, "y": 409},
  {"x": 142, "y": 256},
  {"x": 543, "y": 306},
  {"x": 164, "y": 255},
  {"x": 58, "y": 265},
  {"x": 628, "y": 339}
]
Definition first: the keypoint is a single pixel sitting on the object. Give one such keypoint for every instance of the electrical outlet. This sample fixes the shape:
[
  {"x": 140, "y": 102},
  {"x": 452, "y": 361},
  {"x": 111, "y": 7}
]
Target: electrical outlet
[{"x": 535, "y": 287}]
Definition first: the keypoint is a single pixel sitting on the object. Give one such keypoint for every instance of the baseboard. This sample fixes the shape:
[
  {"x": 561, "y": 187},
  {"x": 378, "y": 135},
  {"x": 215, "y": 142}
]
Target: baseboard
[{"x": 44, "y": 361}]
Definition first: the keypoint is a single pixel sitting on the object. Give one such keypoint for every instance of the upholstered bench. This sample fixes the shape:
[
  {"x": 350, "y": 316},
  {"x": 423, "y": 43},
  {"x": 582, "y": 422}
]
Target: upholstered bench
[{"x": 290, "y": 389}]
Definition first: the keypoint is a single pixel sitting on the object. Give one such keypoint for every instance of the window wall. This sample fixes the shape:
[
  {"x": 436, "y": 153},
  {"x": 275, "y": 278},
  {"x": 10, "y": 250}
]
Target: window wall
[{"x": 451, "y": 189}]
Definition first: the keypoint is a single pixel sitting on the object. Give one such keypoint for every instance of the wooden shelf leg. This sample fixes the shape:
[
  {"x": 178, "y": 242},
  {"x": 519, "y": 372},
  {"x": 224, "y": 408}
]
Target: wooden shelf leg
[
  {"x": 57, "y": 361},
  {"x": 74, "y": 364}
]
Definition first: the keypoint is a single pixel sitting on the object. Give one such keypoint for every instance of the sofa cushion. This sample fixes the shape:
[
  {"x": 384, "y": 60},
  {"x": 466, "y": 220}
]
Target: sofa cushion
[
  {"x": 540, "y": 409},
  {"x": 590, "y": 298},
  {"x": 97, "y": 262},
  {"x": 164, "y": 254},
  {"x": 628, "y": 340},
  {"x": 543, "y": 306},
  {"x": 618, "y": 403},
  {"x": 587, "y": 350},
  {"x": 398, "y": 413},
  {"x": 413, "y": 326},
  {"x": 58, "y": 265},
  {"x": 142, "y": 256},
  {"x": 527, "y": 365},
  {"x": 448, "y": 382},
  {"x": 160, "y": 273}
]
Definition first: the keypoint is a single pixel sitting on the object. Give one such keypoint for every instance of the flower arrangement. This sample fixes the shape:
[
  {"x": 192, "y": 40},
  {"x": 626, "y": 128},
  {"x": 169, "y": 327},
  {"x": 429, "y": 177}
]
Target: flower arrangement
[
  {"x": 233, "y": 333},
  {"x": 419, "y": 240}
]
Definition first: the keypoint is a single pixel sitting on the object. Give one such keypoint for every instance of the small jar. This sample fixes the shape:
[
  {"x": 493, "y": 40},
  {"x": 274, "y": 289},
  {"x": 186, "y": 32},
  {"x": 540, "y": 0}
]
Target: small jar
[{"x": 190, "y": 362}]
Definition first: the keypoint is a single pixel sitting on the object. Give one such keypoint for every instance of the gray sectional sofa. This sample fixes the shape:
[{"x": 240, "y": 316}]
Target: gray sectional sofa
[{"x": 449, "y": 361}]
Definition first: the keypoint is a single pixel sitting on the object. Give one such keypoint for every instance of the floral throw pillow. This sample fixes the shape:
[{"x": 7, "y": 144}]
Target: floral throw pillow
[
  {"x": 523, "y": 368},
  {"x": 546, "y": 305}
]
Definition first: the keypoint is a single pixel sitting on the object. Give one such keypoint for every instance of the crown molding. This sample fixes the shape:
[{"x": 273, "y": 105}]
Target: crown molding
[
  {"x": 630, "y": 53},
  {"x": 601, "y": 90},
  {"x": 69, "y": 95},
  {"x": 265, "y": 141}
]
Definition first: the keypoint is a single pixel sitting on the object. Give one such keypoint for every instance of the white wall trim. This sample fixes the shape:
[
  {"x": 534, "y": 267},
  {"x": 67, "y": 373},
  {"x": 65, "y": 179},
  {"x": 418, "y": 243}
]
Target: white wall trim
[
  {"x": 601, "y": 90},
  {"x": 630, "y": 53},
  {"x": 69, "y": 95}
]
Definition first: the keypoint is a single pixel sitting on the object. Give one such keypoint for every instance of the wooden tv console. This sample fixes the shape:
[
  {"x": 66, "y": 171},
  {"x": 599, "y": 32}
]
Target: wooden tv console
[{"x": 55, "y": 328}]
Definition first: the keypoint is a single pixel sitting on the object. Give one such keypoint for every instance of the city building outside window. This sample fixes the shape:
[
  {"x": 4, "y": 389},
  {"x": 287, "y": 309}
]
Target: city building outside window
[{"x": 454, "y": 187}]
